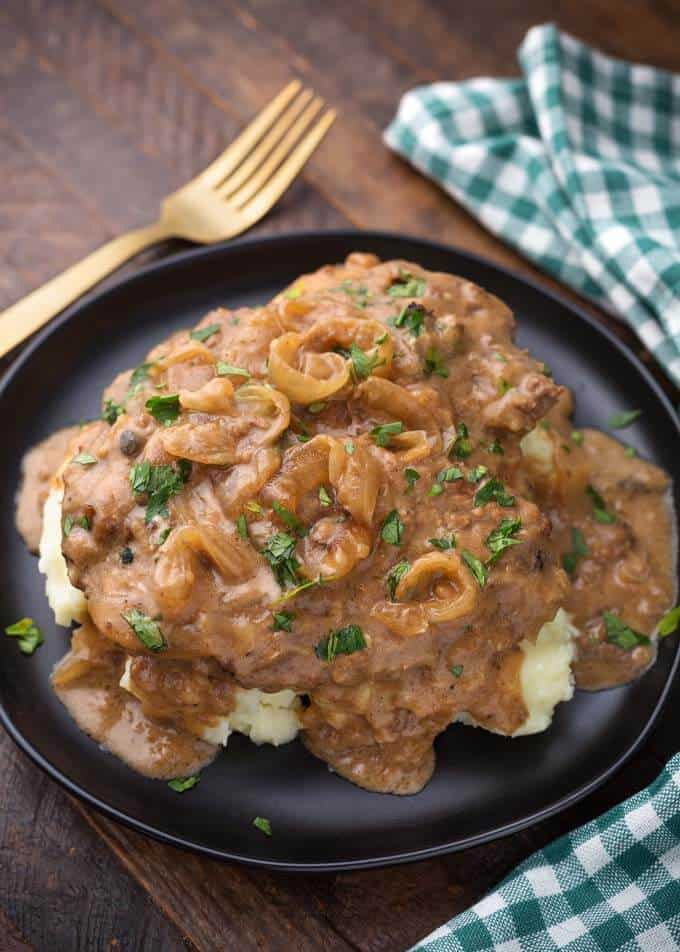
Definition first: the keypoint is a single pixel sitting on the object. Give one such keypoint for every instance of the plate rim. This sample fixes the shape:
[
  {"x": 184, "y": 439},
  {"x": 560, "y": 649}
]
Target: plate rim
[{"x": 414, "y": 855}]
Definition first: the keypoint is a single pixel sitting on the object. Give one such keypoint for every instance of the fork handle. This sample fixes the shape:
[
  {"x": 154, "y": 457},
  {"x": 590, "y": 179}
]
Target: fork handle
[{"x": 30, "y": 313}]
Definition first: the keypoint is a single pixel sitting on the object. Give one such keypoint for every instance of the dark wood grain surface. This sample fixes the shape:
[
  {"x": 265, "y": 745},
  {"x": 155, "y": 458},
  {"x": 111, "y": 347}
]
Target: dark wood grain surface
[{"x": 106, "y": 105}]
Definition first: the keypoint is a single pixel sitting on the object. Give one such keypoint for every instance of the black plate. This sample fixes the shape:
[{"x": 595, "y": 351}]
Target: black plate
[{"x": 484, "y": 786}]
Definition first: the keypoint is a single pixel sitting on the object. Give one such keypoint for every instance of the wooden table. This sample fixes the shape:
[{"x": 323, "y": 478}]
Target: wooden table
[{"x": 106, "y": 105}]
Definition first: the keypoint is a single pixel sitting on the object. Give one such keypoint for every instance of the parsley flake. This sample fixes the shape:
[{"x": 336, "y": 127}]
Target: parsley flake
[
  {"x": 600, "y": 513},
  {"x": 111, "y": 411},
  {"x": 363, "y": 364},
  {"x": 349, "y": 448},
  {"x": 669, "y": 622},
  {"x": 579, "y": 549},
  {"x": 203, "y": 333},
  {"x": 619, "y": 421},
  {"x": 434, "y": 363},
  {"x": 147, "y": 630},
  {"x": 621, "y": 634},
  {"x": 412, "y": 318},
  {"x": 395, "y": 575},
  {"x": 263, "y": 825},
  {"x": 496, "y": 447},
  {"x": 494, "y": 491},
  {"x": 502, "y": 537},
  {"x": 127, "y": 556},
  {"x": 324, "y": 497},
  {"x": 227, "y": 370},
  {"x": 159, "y": 483},
  {"x": 457, "y": 670},
  {"x": 476, "y": 566},
  {"x": 444, "y": 543},
  {"x": 85, "y": 459},
  {"x": 462, "y": 445},
  {"x": 392, "y": 528},
  {"x": 383, "y": 434},
  {"x": 242, "y": 526},
  {"x": 411, "y": 476},
  {"x": 577, "y": 437},
  {"x": 283, "y": 621},
  {"x": 164, "y": 409},
  {"x": 406, "y": 285},
  {"x": 29, "y": 634},
  {"x": 279, "y": 552},
  {"x": 477, "y": 474},
  {"x": 290, "y": 519},
  {"x": 180, "y": 784},
  {"x": 345, "y": 640},
  {"x": 450, "y": 475}
]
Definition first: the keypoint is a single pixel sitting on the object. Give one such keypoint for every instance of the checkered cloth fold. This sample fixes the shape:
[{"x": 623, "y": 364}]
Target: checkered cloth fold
[
  {"x": 577, "y": 165},
  {"x": 613, "y": 884}
]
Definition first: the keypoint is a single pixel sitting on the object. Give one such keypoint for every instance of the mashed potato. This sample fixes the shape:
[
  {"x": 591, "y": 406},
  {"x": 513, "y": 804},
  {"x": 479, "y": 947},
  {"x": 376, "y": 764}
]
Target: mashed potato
[
  {"x": 67, "y": 602},
  {"x": 546, "y": 676}
]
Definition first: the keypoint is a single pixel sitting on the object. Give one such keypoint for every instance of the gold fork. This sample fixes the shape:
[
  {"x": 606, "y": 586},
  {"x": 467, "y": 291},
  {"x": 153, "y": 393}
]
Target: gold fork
[{"x": 224, "y": 200}]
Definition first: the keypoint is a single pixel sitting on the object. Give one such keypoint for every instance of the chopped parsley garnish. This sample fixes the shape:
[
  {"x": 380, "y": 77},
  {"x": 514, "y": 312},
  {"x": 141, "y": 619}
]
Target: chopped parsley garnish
[
  {"x": 392, "y": 528},
  {"x": 242, "y": 526},
  {"x": 669, "y": 622},
  {"x": 203, "y": 333},
  {"x": 618, "y": 421},
  {"x": 630, "y": 452},
  {"x": 411, "y": 476},
  {"x": 395, "y": 575},
  {"x": 359, "y": 294},
  {"x": 444, "y": 543},
  {"x": 600, "y": 513},
  {"x": 159, "y": 483},
  {"x": 476, "y": 566},
  {"x": 349, "y": 447},
  {"x": 450, "y": 475},
  {"x": 139, "y": 375},
  {"x": 494, "y": 491},
  {"x": 412, "y": 317},
  {"x": 436, "y": 490},
  {"x": 621, "y": 634},
  {"x": 501, "y": 358},
  {"x": 303, "y": 436},
  {"x": 457, "y": 670},
  {"x": 496, "y": 447},
  {"x": 477, "y": 474},
  {"x": 363, "y": 364},
  {"x": 546, "y": 371},
  {"x": 70, "y": 523},
  {"x": 502, "y": 386},
  {"x": 579, "y": 549},
  {"x": 462, "y": 445},
  {"x": 180, "y": 784},
  {"x": 263, "y": 825},
  {"x": 295, "y": 292},
  {"x": 283, "y": 621},
  {"x": 407, "y": 285},
  {"x": 165, "y": 409},
  {"x": 324, "y": 497},
  {"x": 292, "y": 592},
  {"x": 280, "y": 553},
  {"x": 434, "y": 363},
  {"x": 28, "y": 633},
  {"x": 383, "y": 434},
  {"x": 253, "y": 506},
  {"x": 317, "y": 407},
  {"x": 111, "y": 411},
  {"x": 577, "y": 437},
  {"x": 341, "y": 641},
  {"x": 226, "y": 370},
  {"x": 147, "y": 630},
  {"x": 290, "y": 519},
  {"x": 502, "y": 537},
  {"x": 127, "y": 556},
  {"x": 163, "y": 535},
  {"x": 85, "y": 459}
]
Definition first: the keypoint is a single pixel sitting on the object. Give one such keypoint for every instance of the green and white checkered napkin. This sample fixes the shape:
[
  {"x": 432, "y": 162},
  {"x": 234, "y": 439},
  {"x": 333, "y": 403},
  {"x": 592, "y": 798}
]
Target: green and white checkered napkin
[
  {"x": 612, "y": 884},
  {"x": 577, "y": 165}
]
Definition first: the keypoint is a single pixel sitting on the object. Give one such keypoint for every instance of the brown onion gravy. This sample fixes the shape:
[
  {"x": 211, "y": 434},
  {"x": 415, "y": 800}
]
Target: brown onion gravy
[{"x": 373, "y": 714}]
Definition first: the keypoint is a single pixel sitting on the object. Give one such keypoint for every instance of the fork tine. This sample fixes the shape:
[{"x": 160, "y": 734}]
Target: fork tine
[
  {"x": 240, "y": 197},
  {"x": 279, "y": 182},
  {"x": 250, "y": 165},
  {"x": 214, "y": 173}
]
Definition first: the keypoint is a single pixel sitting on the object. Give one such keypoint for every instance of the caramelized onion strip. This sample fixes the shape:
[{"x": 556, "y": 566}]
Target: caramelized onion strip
[
  {"x": 300, "y": 386},
  {"x": 453, "y": 592}
]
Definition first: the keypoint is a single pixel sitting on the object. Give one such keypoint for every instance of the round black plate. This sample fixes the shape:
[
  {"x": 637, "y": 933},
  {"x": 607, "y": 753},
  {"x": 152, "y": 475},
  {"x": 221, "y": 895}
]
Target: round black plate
[{"x": 484, "y": 786}]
